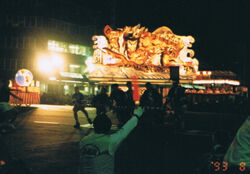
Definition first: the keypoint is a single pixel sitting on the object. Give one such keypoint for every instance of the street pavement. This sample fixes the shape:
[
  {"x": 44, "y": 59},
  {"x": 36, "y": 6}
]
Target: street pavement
[{"x": 46, "y": 141}]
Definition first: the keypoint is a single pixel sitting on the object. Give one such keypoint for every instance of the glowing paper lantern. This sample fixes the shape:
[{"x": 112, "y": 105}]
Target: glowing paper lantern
[{"x": 24, "y": 77}]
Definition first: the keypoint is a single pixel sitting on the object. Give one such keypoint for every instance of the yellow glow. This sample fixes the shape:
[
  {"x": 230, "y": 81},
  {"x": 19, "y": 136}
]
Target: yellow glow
[
  {"x": 204, "y": 72},
  {"x": 10, "y": 83},
  {"x": 74, "y": 66},
  {"x": 182, "y": 70},
  {"x": 32, "y": 83},
  {"x": 45, "y": 65},
  {"x": 57, "y": 60},
  {"x": 137, "y": 46},
  {"x": 71, "y": 81},
  {"x": 209, "y": 72},
  {"x": 86, "y": 89},
  {"x": 52, "y": 78},
  {"x": 49, "y": 63},
  {"x": 66, "y": 87},
  {"x": 198, "y": 72},
  {"x": 37, "y": 84},
  {"x": 90, "y": 66},
  {"x": 219, "y": 81}
]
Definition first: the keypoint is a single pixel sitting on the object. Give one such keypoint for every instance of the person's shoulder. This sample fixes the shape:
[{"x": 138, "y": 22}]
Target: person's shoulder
[{"x": 121, "y": 92}]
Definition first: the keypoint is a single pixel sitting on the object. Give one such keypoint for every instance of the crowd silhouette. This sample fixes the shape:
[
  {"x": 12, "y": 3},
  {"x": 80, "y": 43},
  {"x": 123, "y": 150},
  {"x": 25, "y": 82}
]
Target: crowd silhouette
[
  {"x": 142, "y": 141},
  {"x": 143, "y": 150}
]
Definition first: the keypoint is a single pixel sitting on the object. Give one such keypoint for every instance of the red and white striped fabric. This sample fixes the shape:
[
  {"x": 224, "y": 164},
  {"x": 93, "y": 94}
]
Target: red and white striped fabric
[{"x": 28, "y": 98}]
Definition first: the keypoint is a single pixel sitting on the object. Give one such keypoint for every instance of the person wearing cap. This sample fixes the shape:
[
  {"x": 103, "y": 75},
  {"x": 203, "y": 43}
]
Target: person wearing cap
[{"x": 97, "y": 151}]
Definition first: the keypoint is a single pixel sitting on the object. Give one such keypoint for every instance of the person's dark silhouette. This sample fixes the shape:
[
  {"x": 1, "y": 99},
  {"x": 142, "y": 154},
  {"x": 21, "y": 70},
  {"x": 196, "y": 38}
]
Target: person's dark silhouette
[
  {"x": 151, "y": 100},
  {"x": 150, "y": 129},
  {"x": 129, "y": 100},
  {"x": 118, "y": 98},
  {"x": 8, "y": 112},
  {"x": 102, "y": 102},
  {"x": 177, "y": 100},
  {"x": 78, "y": 100}
]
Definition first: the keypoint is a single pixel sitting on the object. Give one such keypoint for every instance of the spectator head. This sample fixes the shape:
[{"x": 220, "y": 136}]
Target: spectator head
[
  {"x": 175, "y": 83},
  {"x": 149, "y": 86},
  {"x": 102, "y": 124},
  {"x": 129, "y": 85},
  {"x": 114, "y": 86},
  {"x": 103, "y": 90},
  {"x": 77, "y": 90}
]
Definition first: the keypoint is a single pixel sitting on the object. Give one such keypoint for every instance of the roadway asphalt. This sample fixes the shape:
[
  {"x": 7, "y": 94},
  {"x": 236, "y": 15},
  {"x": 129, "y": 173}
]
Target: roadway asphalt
[{"x": 46, "y": 142}]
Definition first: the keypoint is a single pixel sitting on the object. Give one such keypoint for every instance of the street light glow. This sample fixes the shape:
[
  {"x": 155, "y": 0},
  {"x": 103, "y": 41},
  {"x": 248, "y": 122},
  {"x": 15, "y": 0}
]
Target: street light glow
[
  {"x": 45, "y": 65},
  {"x": 57, "y": 60},
  {"x": 49, "y": 63}
]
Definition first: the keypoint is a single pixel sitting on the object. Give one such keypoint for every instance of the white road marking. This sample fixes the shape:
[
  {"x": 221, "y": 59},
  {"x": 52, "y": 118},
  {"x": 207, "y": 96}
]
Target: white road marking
[
  {"x": 114, "y": 127},
  {"x": 59, "y": 107},
  {"x": 86, "y": 125},
  {"x": 45, "y": 122}
]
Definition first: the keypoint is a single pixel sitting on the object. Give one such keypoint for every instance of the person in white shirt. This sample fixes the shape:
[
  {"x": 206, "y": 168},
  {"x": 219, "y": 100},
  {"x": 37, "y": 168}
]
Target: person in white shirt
[
  {"x": 97, "y": 151},
  {"x": 238, "y": 153}
]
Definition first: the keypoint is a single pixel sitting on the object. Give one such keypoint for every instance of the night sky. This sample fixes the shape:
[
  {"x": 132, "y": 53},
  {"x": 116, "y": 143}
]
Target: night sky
[{"x": 220, "y": 27}]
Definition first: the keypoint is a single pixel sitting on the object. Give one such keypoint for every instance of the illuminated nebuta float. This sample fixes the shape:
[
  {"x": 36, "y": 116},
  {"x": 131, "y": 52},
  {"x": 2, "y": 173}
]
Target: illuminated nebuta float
[{"x": 136, "y": 51}]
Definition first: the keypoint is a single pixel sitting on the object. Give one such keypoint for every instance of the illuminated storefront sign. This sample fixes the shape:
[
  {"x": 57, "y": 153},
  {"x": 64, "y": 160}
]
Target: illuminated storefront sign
[
  {"x": 71, "y": 75},
  {"x": 67, "y": 47}
]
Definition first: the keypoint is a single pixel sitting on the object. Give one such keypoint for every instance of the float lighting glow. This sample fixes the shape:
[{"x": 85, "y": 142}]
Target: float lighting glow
[
  {"x": 37, "y": 84},
  {"x": 90, "y": 65},
  {"x": 10, "y": 83},
  {"x": 229, "y": 82},
  {"x": 70, "y": 81}
]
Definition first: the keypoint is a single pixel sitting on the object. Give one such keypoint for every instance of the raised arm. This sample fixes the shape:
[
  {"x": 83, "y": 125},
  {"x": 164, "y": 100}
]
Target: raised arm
[{"x": 120, "y": 135}]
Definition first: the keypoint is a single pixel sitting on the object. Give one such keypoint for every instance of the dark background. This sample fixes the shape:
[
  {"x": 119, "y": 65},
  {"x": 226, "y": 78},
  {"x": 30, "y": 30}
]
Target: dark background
[{"x": 220, "y": 27}]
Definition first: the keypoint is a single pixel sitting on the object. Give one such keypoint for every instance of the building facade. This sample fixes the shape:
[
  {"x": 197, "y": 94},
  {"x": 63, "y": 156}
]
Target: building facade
[{"x": 46, "y": 44}]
